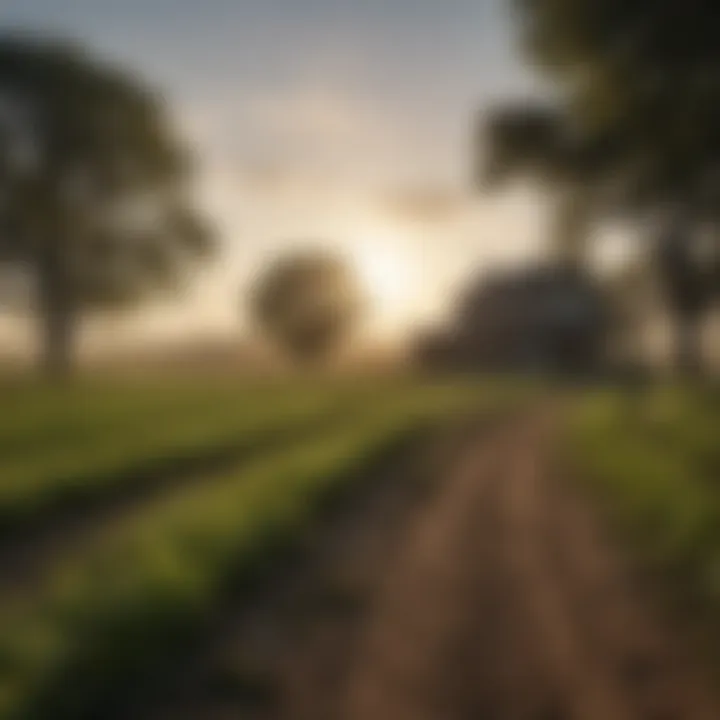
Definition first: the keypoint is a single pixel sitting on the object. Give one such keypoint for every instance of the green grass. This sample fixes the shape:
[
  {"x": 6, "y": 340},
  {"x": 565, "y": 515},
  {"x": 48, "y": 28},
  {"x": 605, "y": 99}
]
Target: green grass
[
  {"x": 67, "y": 446},
  {"x": 60, "y": 447},
  {"x": 116, "y": 613},
  {"x": 654, "y": 463},
  {"x": 112, "y": 454}
]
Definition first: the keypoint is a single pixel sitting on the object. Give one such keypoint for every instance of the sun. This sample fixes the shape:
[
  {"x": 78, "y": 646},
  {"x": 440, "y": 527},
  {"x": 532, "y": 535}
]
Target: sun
[{"x": 386, "y": 276}]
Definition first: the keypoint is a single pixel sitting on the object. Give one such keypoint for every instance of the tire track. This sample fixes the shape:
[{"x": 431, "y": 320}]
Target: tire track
[
  {"x": 493, "y": 596},
  {"x": 286, "y": 651},
  {"x": 507, "y": 604}
]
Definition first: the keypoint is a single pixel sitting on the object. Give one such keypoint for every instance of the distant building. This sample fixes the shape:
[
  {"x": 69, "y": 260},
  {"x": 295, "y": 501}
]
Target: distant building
[{"x": 539, "y": 319}]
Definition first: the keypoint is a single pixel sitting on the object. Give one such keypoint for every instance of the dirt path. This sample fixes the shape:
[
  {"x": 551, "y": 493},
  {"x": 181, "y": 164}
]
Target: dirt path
[{"x": 492, "y": 595}]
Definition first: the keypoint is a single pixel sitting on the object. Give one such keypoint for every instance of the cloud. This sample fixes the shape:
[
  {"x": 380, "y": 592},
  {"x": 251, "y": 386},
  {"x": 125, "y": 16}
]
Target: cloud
[
  {"x": 428, "y": 204},
  {"x": 312, "y": 111},
  {"x": 317, "y": 131}
]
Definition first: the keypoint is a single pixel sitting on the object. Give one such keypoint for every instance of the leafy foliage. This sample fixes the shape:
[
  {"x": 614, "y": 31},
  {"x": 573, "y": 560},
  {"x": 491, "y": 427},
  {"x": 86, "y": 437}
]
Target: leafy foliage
[
  {"x": 634, "y": 132},
  {"x": 92, "y": 185},
  {"x": 308, "y": 303},
  {"x": 646, "y": 74},
  {"x": 653, "y": 461},
  {"x": 537, "y": 142}
]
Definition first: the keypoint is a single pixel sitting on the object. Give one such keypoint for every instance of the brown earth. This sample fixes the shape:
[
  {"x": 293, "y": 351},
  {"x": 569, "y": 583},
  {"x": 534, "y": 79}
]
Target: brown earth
[{"x": 489, "y": 593}]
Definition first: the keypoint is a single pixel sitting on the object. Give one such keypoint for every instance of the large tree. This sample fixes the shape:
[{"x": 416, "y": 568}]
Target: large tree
[
  {"x": 307, "y": 303},
  {"x": 638, "y": 83},
  {"x": 536, "y": 142},
  {"x": 646, "y": 73},
  {"x": 93, "y": 188}
]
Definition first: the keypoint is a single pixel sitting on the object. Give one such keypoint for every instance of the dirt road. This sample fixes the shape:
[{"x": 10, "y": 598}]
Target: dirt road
[{"x": 488, "y": 594}]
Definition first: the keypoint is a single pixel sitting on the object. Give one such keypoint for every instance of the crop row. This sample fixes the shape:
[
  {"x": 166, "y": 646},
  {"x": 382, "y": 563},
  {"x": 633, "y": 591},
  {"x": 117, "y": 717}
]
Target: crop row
[
  {"x": 143, "y": 446},
  {"x": 654, "y": 462},
  {"x": 115, "y": 615}
]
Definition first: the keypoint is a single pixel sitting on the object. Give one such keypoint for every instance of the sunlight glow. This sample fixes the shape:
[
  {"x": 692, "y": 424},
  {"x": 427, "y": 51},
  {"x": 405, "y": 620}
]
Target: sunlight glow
[{"x": 387, "y": 276}]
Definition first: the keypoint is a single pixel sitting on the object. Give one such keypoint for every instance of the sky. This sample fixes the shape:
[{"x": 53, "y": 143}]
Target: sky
[{"x": 339, "y": 122}]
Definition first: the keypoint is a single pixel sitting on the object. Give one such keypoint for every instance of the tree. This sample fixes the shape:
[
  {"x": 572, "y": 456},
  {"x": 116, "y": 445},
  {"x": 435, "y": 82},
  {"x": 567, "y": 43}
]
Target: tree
[
  {"x": 307, "y": 303},
  {"x": 647, "y": 73},
  {"x": 93, "y": 188},
  {"x": 688, "y": 283},
  {"x": 536, "y": 142},
  {"x": 638, "y": 81}
]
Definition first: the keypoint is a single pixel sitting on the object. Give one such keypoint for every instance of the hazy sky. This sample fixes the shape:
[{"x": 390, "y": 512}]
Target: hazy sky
[{"x": 342, "y": 121}]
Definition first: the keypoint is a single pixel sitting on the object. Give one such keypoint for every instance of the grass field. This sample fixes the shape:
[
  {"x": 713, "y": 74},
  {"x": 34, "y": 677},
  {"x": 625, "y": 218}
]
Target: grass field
[
  {"x": 177, "y": 491},
  {"x": 263, "y": 458},
  {"x": 653, "y": 461},
  {"x": 68, "y": 448}
]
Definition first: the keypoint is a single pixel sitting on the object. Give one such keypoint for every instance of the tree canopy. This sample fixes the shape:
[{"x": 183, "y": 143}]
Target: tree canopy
[
  {"x": 633, "y": 130},
  {"x": 307, "y": 303},
  {"x": 644, "y": 75},
  {"x": 93, "y": 186},
  {"x": 538, "y": 142}
]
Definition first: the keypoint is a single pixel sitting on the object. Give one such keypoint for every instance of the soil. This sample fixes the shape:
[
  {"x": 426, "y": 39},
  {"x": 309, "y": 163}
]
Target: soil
[{"x": 471, "y": 581}]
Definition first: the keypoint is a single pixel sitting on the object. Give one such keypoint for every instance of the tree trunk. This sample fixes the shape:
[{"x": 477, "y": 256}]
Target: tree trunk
[
  {"x": 688, "y": 352},
  {"x": 57, "y": 318},
  {"x": 58, "y": 343},
  {"x": 683, "y": 282},
  {"x": 571, "y": 226}
]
